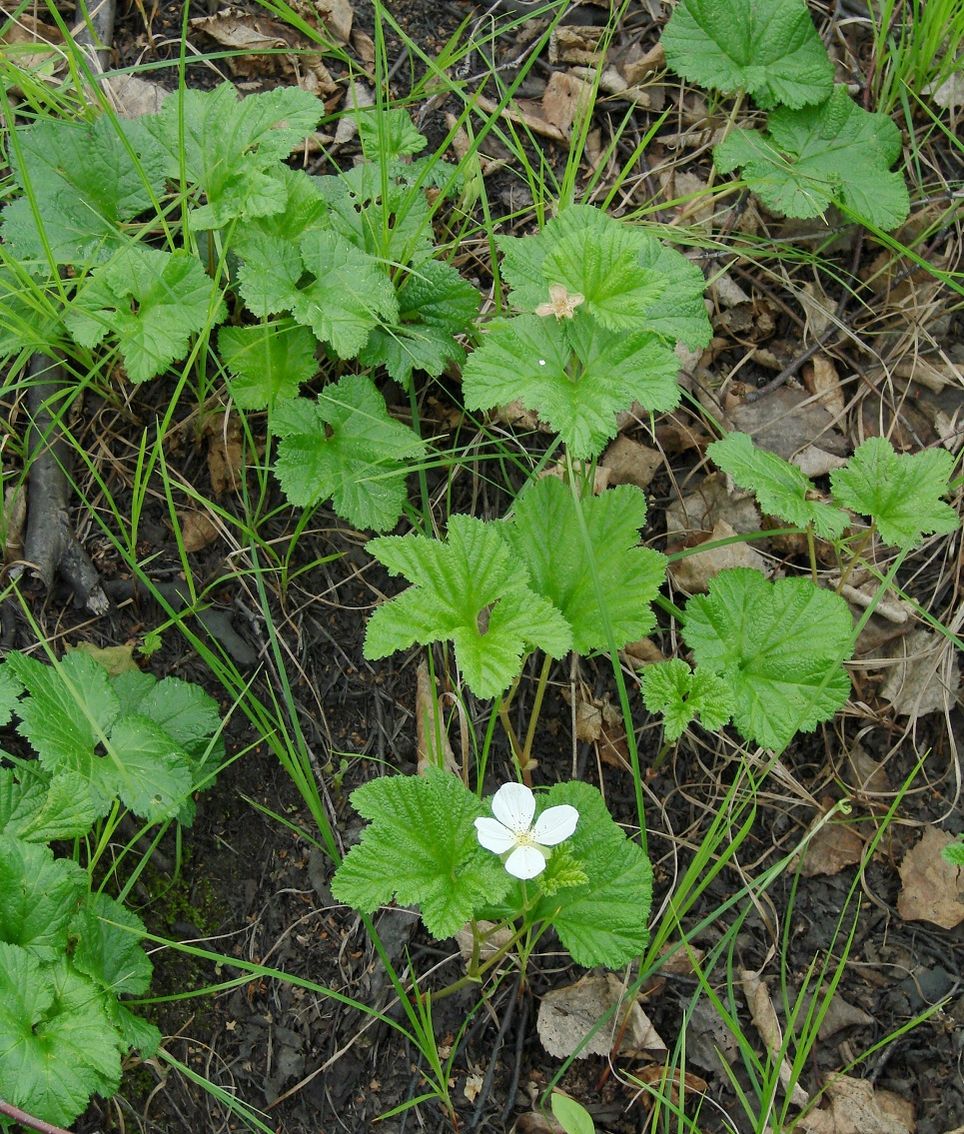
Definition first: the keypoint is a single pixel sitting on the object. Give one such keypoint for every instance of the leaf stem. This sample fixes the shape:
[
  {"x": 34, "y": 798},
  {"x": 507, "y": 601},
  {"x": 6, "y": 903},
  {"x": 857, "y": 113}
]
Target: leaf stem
[{"x": 534, "y": 716}]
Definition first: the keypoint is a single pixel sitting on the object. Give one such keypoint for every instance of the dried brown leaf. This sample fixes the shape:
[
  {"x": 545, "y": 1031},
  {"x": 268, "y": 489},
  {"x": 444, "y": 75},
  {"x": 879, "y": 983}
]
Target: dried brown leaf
[
  {"x": 630, "y": 462},
  {"x": 835, "y": 845},
  {"x": 567, "y": 1014},
  {"x": 932, "y": 889},
  {"x": 856, "y": 1108},
  {"x": 432, "y": 744},
  {"x": 926, "y": 677},
  {"x": 225, "y": 452},
  {"x": 694, "y": 572},
  {"x": 766, "y": 1023},
  {"x": 565, "y": 99},
  {"x": 197, "y": 529},
  {"x": 821, "y": 379},
  {"x": 575, "y": 43},
  {"x": 115, "y": 659}
]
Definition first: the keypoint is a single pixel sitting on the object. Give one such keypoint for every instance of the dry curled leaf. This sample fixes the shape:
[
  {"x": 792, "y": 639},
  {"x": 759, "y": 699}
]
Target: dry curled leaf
[
  {"x": 926, "y": 677},
  {"x": 931, "y": 888},
  {"x": 766, "y": 1023},
  {"x": 432, "y": 744},
  {"x": 694, "y": 572},
  {"x": 629, "y": 462},
  {"x": 856, "y": 1108},
  {"x": 835, "y": 846},
  {"x": 566, "y": 1015}
]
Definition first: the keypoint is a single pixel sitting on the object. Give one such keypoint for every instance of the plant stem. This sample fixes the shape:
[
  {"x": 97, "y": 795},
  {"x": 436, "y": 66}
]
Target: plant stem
[
  {"x": 21, "y": 1116},
  {"x": 534, "y": 716}
]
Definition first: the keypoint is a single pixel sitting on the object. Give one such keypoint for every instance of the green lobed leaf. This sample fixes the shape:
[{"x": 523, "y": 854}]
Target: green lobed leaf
[
  {"x": 30, "y": 312},
  {"x": 153, "y": 302},
  {"x": 679, "y": 313},
  {"x": 267, "y": 362},
  {"x": 575, "y": 374},
  {"x": 604, "y": 921},
  {"x": 467, "y": 589},
  {"x": 380, "y": 215},
  {"x": 769, "y": 49},
  {"x": 779, "y": 646},
  {"x": 681, "y": 695},
  {"x": 347, "y": 446},
  {"x": 46, "y": 808},
  {"x": 420, "y": 847},
  {"x": 69, "y": 711},
  {"x": 110, "y": 955},
  {"x": 900, "y": 492},
  {"x": 836, "y": 153},
  {"x": 57, "y": 1044},
  {"x": 388, "y": 134},
  {"x": 231, "y": 150},
  {"x": 38, "y": 896},
  {"x": 86, "y": 180},
  {"x": 10, "y": 690},
  {"x": 781, "y": 488},
  {"x": 435, "y": 304},
  {"x": 151, "y": 773},
  {"x": 350, "y": 294},
  {"x": 594, "y": 571},
  {"x": 268, "y": 277}
]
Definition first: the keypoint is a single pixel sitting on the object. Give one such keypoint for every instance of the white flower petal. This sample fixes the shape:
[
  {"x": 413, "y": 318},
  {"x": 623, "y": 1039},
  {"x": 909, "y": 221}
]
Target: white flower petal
[
  {"x": 493, "y": 836},
  {"x": 514, "y": 805},
  {"x": 555, "y": 824},
  {"x": 525, "y": 862}
]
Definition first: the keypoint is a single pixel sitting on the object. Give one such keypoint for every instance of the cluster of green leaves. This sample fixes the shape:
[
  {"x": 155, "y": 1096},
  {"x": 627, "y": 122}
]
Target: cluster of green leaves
[
  {"x": 819, "y": 146},
  {"x": 67, "y": 951},
  {"x": 420, "y": 847},
  {"x": 340, "y": 267},
  {"x": 770, "y": 655},
  {"x": 600, "y": 305},
  {"x": 552, "y": 576}
]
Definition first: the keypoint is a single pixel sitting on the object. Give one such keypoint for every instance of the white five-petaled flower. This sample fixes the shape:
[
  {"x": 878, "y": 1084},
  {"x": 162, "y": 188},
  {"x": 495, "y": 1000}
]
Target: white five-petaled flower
[{"x": 512, "y": 829}]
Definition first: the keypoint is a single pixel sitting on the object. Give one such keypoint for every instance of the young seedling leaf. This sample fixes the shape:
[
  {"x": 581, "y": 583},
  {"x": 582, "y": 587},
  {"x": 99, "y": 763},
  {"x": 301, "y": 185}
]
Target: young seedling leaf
[
  {"x": 576, "y": 374},
  {"x": 778, "y": 646},
  {"x": 151, "y": 301},
  {"x": 86, "y": 181},
  {"x": 836, "y": 153},
  {"x": 900, "y": 492},
  {"x": 571, "y": 1116},
  {"x": 57, "y": 1044},
  {"x": 781, "y": 488},
  {"x": 468, "y": 589},
  {"x": 111, "y": 956},
  {"x": 604, "y": 921},
  {"x": 592, "y": 570},
  {"x": 267, "y": 362},
  {"x": 770, "y": 50},
  {"x": 231, "y": 151},
  {"x": 420, "y": 847},
  {"x": 388, "y": 134},
  {"x": 435, "y": 304},
  {"x": 38, "y": 897},
  {"x": 682, "y": 694},
  {"x": 345, "y": 445}
]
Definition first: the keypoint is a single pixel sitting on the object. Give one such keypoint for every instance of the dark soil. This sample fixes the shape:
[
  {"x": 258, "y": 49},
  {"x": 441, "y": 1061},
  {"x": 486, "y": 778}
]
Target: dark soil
[{"x": 256, "y": 888}]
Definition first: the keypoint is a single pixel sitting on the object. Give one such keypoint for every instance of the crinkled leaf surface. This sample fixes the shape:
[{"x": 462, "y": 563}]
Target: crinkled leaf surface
[
  {"x": 151, "y": 773},
  {"x": 420, "y": 847},
  {"x": 110, "y": 955},
  {"x": 86, "y": 181},
  {"x": 42, "y": 809},
  {"x": 779, "y": 646},
  {"x": 605, "y": 920},
  {"x": 901, "y": 492},
  {"x": 834, "y": 153},
  {"x": 10, "y": 690},
  {"x": 268, "y": 277},
  {"x": 682, "y": 694},
  {"x": 267, "y": 362},
  {"x": 380, "y": 216},
  {"x": 575, "y": 374},
  {"x": 57, "y": 1044},
  {"x": 468, "y": 589},
  {"x": 770, "y": 50},
  {"x": 678, "y": 314},
  {"x": 388, "y": 134},
  {"x": 435, "y": 304},
  {"x": 152, "y": 301},
  {"x": 350, "y": 293},
  {"x": 347, "y": 446},
  {"x": 593, "y": 571},
  {"x": 232, "y": 149},
  {"x": 781, "y": 488},
  {"x": 590, "y": 254},
  {"x": 38, "y": 896}
]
